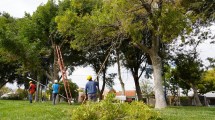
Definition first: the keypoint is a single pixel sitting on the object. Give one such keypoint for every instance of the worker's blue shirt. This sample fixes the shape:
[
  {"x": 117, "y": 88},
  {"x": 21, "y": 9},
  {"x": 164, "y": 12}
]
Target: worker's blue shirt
[
  {"x": 55, "y": 88},
  {"x": 91, "y": 87}
]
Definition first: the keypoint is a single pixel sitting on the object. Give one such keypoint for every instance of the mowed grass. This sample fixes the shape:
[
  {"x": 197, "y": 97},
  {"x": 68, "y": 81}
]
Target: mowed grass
[
  {"x": 23, "y": 110},
  {"x": 188, "y": 113}
]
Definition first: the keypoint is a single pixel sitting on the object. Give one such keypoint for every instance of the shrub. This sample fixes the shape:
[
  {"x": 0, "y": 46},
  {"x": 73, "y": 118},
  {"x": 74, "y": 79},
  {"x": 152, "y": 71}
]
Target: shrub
[
  {"x": 107, "y": 110},
  {"x": 22, "y": 94},
  {"x": 185, "y": 101}
]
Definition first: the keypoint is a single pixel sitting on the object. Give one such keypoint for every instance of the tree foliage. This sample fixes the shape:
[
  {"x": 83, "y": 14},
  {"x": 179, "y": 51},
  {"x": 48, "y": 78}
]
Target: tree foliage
[
  {"x": 208, "y": 81},
  {"x": 148, "y": 24},
  {"x": 73, "y": 89},
  {"x": 189, "y": 71}
]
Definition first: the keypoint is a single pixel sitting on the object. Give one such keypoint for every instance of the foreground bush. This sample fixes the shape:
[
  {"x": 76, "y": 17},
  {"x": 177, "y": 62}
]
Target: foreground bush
[{"x": 107, "y": 110}]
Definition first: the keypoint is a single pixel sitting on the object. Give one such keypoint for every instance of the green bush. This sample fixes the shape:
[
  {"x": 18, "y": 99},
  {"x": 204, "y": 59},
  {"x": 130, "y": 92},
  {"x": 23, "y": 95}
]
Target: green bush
[
  {"x": 185, "y": 101},
  {"x": 22, "y": 94},
  {"x": 109, "y": 110}
]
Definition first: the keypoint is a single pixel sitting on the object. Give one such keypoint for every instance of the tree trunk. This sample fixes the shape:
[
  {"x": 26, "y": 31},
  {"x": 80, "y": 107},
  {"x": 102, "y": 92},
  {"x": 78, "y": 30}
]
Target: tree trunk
[
  {"x": 137, "y": 86},
  {"x": 157, "y": 74},
  {"x": 41, "y": 92},
  {"x": 37, "y": 92},
  {"x": 97, "y": 79},
  {"x": 103, "y": 84},
  {"x": 119, "y": 73},
  {"x": 195, "y": 95},
  {"x": 55, "y": 67}
]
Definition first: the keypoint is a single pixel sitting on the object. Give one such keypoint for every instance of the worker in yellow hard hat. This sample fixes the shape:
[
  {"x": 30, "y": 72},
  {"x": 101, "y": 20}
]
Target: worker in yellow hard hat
[{"x": 91, "y": 89}]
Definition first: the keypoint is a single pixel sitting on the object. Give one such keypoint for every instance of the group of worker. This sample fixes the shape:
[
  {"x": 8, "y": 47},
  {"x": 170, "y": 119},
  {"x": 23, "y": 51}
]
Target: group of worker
[{"x": 90, "y": 90}]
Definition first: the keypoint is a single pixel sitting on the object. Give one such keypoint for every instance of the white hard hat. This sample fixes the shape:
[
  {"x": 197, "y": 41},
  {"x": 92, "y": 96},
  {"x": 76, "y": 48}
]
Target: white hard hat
[{"x": 55, "y": 81}]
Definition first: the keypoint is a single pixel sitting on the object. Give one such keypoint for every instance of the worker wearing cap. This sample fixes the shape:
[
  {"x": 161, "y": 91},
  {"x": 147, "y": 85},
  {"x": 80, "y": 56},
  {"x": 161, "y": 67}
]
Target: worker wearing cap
[
  {"x": 91, "y": 89},
  {"x": 55, "y": 88},
  {"x": 31, "y": 89}
]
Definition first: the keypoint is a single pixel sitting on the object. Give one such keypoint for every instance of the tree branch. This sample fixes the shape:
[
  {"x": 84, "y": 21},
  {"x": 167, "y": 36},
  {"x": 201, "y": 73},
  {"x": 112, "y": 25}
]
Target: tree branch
[
  {"x": 147, "y": 6},
  {"x": 49, "y": 76},
  {"x": 134, "y": 10},
  {"x": 142, "y": 71},
  {"x": 3, "y": 84},
  {"x": 141, "y": 47}
]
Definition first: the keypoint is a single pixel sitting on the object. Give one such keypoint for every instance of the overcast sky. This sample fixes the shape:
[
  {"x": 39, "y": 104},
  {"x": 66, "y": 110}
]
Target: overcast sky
[{"x": 17, "y": 8}]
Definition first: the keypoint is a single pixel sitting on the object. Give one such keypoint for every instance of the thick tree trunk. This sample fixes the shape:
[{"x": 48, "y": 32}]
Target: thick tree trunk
[
  {"x": 53, "y": 71},
  {"x": 157, "y": 74},
  {"x": 119, "y": 73},
  {"x": 55, "y": 67},
  {"x": 195, "y": 95}
]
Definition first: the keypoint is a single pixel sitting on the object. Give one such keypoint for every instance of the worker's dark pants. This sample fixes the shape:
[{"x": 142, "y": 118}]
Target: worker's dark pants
[
  {"x": 54, "y": 97},
  {"x": 92, "y": 97},
  {"x": 30, "y": 97}
]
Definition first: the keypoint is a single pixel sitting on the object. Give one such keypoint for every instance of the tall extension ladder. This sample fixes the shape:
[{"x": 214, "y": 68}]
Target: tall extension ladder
[{"x": 64, "y": 76}]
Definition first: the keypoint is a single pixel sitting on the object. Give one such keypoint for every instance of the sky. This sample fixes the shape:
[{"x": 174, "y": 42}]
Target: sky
[{"x": 17, "y": 8}]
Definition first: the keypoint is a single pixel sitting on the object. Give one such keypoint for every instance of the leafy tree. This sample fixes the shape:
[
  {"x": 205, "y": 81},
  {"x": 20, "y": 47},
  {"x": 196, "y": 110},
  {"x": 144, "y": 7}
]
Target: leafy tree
[
  {"x": 110, "y": 80},
  {"x": 189, "y": 67},
  {"x": 160, "y": 26},
  {"x": 190, "y": 71},
  {"x": 67, "y": 25},
  {"x": 29, "y": 44},
  {"x": 171, "y": 82},
  {"x": 150, "y": 25},
  {"x": 211, "y": 62},
  {"x": 204, "y": 10},
  {"x": 10, "y": 50},
  {"x": 208, "y": 81},
  {"x": 146, "y": 89},
  {"x": 125, "y": 19},
  {"x": 136, "y": 61}
]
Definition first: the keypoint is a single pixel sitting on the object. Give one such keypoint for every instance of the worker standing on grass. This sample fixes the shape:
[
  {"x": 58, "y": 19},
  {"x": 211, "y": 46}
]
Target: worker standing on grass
[
  {"x": 91, "y": 89},
  {"x": 55, "y": 88},
  {"x": 31, "y": 89}
]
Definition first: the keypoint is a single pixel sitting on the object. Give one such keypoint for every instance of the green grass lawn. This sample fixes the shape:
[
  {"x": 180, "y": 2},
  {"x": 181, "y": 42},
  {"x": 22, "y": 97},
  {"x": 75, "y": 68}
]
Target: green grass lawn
[
  {"x": 23, "y": 110},
  {"x": 188, "y": 113}
]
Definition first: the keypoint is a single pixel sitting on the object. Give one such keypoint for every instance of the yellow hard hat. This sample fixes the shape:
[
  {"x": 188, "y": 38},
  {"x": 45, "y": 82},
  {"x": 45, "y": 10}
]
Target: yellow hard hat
[
  {"x": 89, "y": 77},
  {"x": 30, "y": 81}
]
